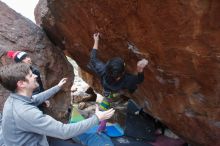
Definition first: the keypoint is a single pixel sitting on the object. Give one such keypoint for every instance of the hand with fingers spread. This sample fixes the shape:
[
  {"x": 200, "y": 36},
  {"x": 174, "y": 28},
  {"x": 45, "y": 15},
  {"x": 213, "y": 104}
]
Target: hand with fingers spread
[
  {"x": 104, "y": 115},
  {"x": 62, "y": 82}
]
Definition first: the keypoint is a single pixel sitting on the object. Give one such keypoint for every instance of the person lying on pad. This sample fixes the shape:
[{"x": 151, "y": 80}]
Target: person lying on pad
[
  {"x": 113, "y": 77},
  {"x": 23, "y": 124}
]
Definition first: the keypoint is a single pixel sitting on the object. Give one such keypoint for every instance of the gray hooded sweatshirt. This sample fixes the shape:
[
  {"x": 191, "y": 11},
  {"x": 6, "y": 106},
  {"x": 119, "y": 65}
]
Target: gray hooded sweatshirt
[{"x": 23, "y": 124}]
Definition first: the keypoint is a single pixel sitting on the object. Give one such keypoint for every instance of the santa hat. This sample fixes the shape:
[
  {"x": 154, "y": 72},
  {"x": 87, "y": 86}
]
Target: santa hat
[{"x": 18, "y": 56}]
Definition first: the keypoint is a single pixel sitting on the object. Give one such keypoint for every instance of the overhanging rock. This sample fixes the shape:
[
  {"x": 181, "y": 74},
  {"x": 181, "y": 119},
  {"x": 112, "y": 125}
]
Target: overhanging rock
[{"x": 179, "y": 37}]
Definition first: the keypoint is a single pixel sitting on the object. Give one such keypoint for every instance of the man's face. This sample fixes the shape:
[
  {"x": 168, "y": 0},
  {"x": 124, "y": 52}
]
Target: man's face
[
  {"x": 31, "y": 82},
  {"x": 27, "y": 60}
]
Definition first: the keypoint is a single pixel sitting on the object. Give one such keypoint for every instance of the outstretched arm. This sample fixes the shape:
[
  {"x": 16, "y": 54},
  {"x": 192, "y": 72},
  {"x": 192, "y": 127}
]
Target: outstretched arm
[
  {"x": 96, "y": 40},
  {"x": 140, "y": 69},
  {"x": 93, "y": 55},
  {"x": 95, "y": 64},
  {"x": 43, "y": 96},
  {"x": 33, "y": 120},
  {"x": 134, "y": 80}
]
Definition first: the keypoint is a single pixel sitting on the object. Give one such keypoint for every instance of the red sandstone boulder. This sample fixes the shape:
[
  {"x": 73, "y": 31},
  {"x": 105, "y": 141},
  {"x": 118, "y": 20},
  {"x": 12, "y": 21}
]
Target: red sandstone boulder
[
  {"x": 19, "y": 33},
  {"x": 179, "y": 37}
]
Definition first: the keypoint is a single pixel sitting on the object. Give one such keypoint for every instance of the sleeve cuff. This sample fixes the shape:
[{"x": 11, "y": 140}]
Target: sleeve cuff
[{"x": 97, "y": 119}]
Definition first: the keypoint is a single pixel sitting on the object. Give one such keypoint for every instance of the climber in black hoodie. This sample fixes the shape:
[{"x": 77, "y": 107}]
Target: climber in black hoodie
[{"x": 113, "y": 77}]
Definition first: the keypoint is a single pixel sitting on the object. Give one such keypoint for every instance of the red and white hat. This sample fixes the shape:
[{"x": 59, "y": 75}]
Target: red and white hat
[{"x": 18, "y": 56}]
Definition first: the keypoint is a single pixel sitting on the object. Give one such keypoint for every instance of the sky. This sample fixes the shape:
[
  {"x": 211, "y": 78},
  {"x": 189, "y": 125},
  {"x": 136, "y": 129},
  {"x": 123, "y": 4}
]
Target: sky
[{"x": 24, "y": 7}]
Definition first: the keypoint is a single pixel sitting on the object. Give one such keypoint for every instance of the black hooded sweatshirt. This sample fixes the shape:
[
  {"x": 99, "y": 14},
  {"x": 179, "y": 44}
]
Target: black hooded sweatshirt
[{"x": 127, "y": 81}]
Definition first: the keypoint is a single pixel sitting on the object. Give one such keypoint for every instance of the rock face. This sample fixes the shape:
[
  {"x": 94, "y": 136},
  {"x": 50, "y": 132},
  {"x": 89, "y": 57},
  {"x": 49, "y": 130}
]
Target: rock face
[
  {"x": 180, "y": 38},
  {"x": 19, "y": 33}
]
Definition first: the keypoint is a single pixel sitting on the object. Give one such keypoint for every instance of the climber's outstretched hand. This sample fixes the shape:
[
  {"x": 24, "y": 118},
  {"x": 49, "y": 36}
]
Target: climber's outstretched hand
[
  {"x": 96, "y": 36},
  {"x": 141, "y": 65}
]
